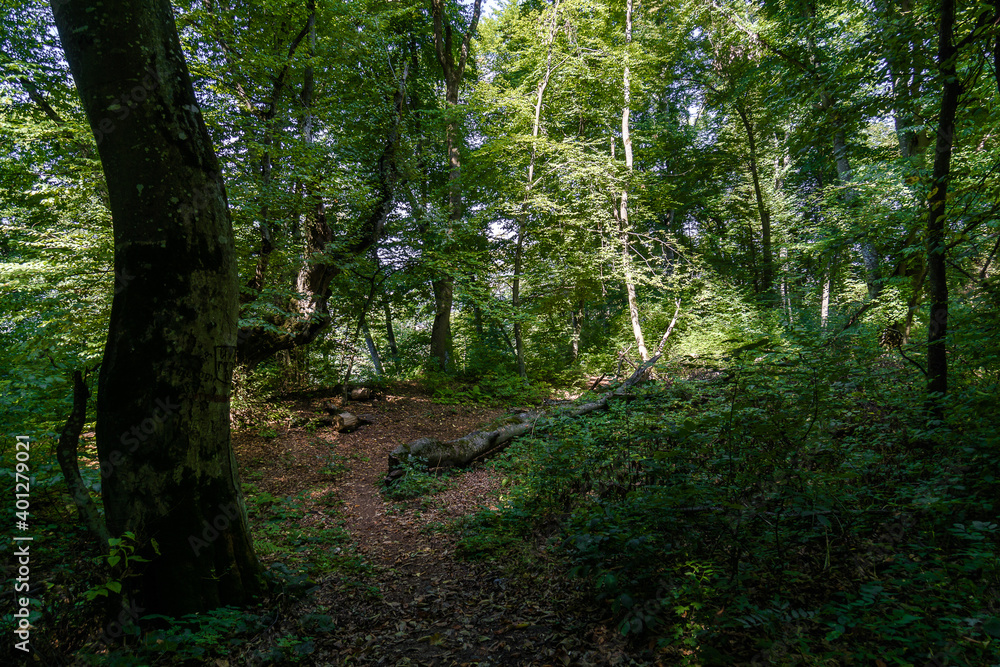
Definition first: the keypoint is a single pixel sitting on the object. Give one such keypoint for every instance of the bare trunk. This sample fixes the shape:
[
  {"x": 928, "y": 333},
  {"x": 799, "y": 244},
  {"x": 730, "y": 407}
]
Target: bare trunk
[
  {"x": 442, "y": 349},
  {"x": 824, "y": 308},
  {"x": 670, "y": 329},
  {"x": 168, "y": 468},
  {"x": 308, "y": 315},
  {"x": 785, "y": 298},
  {"x": 577, "y": 329},
  {"x": 907, "y": 71},
  {"x": 868, "y": 253}
]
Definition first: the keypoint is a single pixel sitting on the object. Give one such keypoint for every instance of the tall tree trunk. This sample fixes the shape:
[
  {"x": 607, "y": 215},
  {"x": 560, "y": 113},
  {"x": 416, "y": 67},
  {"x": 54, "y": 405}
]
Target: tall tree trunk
[
  {"x": 907, "y": 71},
  {"x": 163, "y": 397},
  {"x": 767, "y": 280},
  {"x": 441, "y": 340},
  {"x": 442, "y": 347},
  {"x": 623, "y": 220},
  {"x": 785, "y": 297},
  {"x": 951, "y": 87}
]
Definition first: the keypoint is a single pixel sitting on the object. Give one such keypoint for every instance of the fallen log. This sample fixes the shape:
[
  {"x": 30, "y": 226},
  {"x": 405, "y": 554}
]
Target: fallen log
[
  {"x": 477, "y": 445},
  {"x": 349, "y": 421},
  {"x": 342, "y": 422},
  {"x": 354, "y": 392}
]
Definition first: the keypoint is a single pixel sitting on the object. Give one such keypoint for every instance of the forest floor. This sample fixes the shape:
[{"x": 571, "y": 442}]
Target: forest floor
[{"x": 401, "y": 595}]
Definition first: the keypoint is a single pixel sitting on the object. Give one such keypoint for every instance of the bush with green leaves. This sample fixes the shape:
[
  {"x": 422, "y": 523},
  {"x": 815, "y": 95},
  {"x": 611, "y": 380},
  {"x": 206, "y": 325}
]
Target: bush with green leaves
[
  {"x": 417, "y": 481},
  {"x": 792, "y": 501},
  {"x": 492, "y": 388}
]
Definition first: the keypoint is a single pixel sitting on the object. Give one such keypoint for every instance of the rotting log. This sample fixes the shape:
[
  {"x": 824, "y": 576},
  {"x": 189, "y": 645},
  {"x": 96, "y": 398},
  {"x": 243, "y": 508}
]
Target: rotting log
[{"x": 463, "y": 451}]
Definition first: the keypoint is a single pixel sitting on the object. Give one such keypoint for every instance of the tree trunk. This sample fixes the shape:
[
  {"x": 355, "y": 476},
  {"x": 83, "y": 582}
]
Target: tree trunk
[
  {"x": 516, "y": 304},
  {"x": 907, "y": 71},
  {"x": 441, "y": 340},
  {"x": 372, "y": 350},
  {"x": 868, "y": 253},
  {"x": 785, "y": 296},
  {"x": 442, "y": 349},
  {"x": 577, "y": 331},
  {"x": 298, "y": 322},
  {"x": 766, "y": 287},
  {"x": 951, "y": 87},
  {"x": 623, "y": 221},
  {"x": 163, "y": 397},
  {"x": 390, "y": 335},
  {"x": 824, "y": 307},
  {"x": 670, "y": 329},
  {"x": 66, "y": 455}
]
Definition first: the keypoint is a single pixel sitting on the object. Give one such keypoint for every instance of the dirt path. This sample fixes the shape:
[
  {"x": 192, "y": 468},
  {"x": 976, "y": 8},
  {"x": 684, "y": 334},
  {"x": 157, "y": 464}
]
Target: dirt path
[{"x": 420, "y": 605}]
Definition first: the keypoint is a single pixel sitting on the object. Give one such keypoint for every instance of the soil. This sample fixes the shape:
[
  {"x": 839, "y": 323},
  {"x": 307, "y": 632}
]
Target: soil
[{"x": 417, "y": 603}]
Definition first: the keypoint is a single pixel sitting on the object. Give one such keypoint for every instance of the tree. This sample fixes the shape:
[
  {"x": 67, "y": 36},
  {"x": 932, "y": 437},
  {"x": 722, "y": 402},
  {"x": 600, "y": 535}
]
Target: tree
[
  {"x": 169, "y": 473},
  {"x": 453, "y": 71},
  {"x": 937, "y": 199}
]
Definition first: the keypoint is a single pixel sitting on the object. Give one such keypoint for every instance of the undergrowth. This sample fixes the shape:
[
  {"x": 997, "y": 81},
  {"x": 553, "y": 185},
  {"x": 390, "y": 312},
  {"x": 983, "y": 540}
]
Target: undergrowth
[
  {"x": 490, "y": 388},
  {"x": 416, "y": 481},
  {"x": 788, "y": 506}
]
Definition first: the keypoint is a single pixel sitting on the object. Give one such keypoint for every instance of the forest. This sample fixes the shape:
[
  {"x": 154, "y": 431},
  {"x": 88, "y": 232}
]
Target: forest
[{"x": 517, "y": 332}]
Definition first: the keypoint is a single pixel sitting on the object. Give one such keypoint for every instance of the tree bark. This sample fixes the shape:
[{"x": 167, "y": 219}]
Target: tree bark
[
  {"x": 670, "y": 329},
  {"x": 937, "y": 275},
  {"x": 844, "y": 174},
  {"x": 767, "y": 281},
  {"x": 442, "y": 347},
  {"x": 163, "y": 397},
  {"x": 824, "y": 307},
  {"x": 515, "y": 302},
  {"x": 907, "y": 71},
  {"x": 577, "y": 317}
]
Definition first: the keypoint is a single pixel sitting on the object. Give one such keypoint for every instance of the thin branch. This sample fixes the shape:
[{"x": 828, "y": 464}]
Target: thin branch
[{"x": 912, "y": 361}]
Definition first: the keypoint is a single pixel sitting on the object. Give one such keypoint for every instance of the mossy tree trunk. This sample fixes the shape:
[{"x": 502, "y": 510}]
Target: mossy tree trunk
[{"x": 168, "y": 469}]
